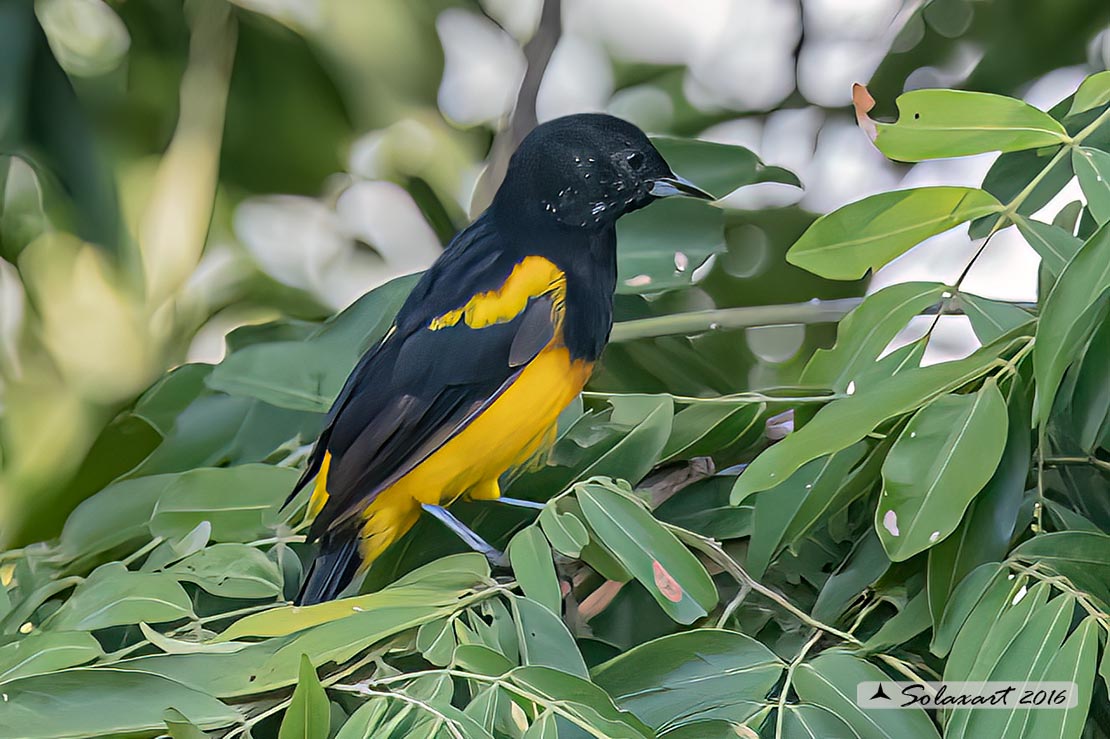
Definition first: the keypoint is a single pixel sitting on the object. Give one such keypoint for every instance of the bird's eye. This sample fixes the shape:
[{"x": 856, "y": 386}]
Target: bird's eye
[{"x": 635, "y": 160}]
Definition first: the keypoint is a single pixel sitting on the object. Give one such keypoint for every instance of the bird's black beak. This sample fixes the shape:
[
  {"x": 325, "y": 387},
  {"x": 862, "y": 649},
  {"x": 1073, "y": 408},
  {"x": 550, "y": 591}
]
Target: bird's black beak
[{"x": 674, "y": 185}]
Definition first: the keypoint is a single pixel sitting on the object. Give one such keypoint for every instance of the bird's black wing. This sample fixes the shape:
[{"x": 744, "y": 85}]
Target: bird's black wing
[{"x": 419, "y": 387}]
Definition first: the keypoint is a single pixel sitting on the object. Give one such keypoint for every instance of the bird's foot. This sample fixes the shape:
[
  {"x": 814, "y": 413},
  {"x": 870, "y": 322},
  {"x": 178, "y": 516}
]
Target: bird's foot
[{"x": 495, "y": 556}]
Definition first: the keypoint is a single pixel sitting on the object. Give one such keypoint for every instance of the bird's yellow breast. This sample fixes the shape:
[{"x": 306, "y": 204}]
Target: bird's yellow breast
[{"x": 509, "y": 432}]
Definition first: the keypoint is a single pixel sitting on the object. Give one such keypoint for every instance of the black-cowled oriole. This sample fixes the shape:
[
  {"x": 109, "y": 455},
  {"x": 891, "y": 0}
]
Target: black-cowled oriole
[{"x": 498, "y": 336}]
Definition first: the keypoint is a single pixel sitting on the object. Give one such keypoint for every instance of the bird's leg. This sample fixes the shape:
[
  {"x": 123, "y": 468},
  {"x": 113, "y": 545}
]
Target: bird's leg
[
  {"x": 464, "y": 532},
  {"x": 520, "y": 503}
]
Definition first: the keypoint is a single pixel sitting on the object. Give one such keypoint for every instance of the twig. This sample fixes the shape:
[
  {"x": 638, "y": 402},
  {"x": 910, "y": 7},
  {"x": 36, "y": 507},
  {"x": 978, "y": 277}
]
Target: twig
[
  {"x": 537, "y": 55},
  {"x": 712, "y": 549},
  {"x": 789, "y": 679}
]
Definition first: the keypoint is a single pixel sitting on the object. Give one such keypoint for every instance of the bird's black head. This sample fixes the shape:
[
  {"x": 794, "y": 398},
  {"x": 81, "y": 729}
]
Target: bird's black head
[{"x": 586, "y": 171}]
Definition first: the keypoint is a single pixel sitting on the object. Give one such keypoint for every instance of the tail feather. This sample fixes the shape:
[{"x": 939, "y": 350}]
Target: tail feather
[{"x": 333, "y": 568}]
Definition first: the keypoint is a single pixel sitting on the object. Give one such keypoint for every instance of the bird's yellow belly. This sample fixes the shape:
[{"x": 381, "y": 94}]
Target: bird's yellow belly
[
  {"x": 509, "y": 432},
  {"x": 512, "y": 430}
]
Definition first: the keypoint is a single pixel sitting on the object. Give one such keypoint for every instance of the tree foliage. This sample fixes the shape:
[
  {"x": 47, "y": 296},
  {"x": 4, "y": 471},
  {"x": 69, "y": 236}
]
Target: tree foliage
[
  {"x": 707, "y": 563},
  {"x": 920, "y": 521}
]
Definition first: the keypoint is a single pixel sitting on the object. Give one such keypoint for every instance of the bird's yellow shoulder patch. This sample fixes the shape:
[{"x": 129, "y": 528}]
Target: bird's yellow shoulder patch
[{"x": 532, "y": 278}]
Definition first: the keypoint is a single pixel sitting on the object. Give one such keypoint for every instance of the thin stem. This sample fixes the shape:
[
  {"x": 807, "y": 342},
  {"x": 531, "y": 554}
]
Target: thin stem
[
  {"x": 1091, "y": 460},
  {"x": 733, "y": 604},
  {"x": 1065, "y": 585},
  {"x": 146, "y": 549},
  {"x": 790, "y": 678},
  {"x": 814, "y": 311},
  {"x": 746, "y": 398},
  {"x": 720, "y": 557},
  {"x": 363, "y": 689}
]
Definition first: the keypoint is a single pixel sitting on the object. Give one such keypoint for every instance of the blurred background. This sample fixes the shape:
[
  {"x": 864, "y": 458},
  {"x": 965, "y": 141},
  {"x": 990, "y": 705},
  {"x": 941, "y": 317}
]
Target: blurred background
[{"x": 171, "y": 171}]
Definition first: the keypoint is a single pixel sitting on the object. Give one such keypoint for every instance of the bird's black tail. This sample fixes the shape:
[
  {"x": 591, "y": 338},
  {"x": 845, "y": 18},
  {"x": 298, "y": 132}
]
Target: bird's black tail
[{"x": 335, "y": 565}]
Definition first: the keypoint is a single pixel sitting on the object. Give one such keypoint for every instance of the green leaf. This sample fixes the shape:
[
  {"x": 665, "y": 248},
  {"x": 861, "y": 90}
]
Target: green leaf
[
  {"x": 866, "y": 331},
  {"x": 776, "y": 509},
  {"x": 1093, "y": 92},
  {"x": 46, "y": 651},
  {"x": 865, "y": 235},
  {"x": 1083, "y": 557},
  {"x": 436, "y": 641},
  {"x": 997, "y": 615},
  {"x": 104, "y": 702},
  {"x": 807, "y": 721},
  {"x": 901, "y": 359},
  {"x": 580, "y": 699},
  {"x": 1090, "y": 400},
  {"x": 530, "y": 557},
  {"x": 692, "y": 676},
  {"x": 1074, "y": 662},
  {"x": 991, "y": 318},
  {"x": 704, "y": 509},
  {"x": 113, "y": 596},
  {"x": 566, "y": 533},
  {"x": 1069, "y": 316},
  {"x": 1092, "y": 166},
  {"x": 241, "y": 502},
  {"x": 866, "y": 563},
  {"x": 912, "y": 620},
  {"x": 1021, "y": 656},
  {"x": 440, "y": 583},
  {"x": 985, "y": 584},
  {"x": 673, "y": 576},
  {"x": 988, "y": 526},
  {"x": 179, "y": 727},
  {"x": 829, "y": 681},
  {"x": 702, "y": 429},
  {"x": 941, "y": 460},
  {"x": 842, "y": 423},
  {"x": 307, "y": 375},
  {"x": 624, "y": 444},
  {"x": 718, "y": 168},
  {"x": 662, "y": 246},
  {"x": 544, "y": 639},
  {"x": 1055, "y": 246},
  {"x": 309, "y": 715},
  {"x": 934, "y": 124},
  {"x": 544, "y": 727},
  {"x": 116, "y": 515},
  {"x": 231, "y": 571}
]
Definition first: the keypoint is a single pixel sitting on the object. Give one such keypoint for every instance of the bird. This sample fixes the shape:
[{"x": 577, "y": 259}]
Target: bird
[{"x": 497, "y": 337}]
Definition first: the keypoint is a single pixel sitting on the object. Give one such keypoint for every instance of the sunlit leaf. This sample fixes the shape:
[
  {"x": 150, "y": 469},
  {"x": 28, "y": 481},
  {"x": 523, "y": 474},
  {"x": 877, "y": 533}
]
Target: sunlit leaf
[
  {"x": 865, "y": 235},
  {"x": 842, "y": 423},
  {"x": 231, "y": 571},
  {"x": 991, "y": 318},
  {"x": 866, "y": 331},
  {"x": 934, "y": 124}
]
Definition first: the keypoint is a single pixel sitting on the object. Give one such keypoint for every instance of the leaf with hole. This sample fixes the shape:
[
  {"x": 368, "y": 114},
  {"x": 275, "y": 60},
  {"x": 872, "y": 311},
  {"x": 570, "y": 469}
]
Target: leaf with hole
[
  {"x": 935, "y": 124},
  {"x": 942, "y": 459}
]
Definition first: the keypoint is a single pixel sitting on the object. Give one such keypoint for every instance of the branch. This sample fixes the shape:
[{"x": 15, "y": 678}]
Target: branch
[
  {"x": 695, "y": 322},
  {"x": 537, "y": 54}
]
